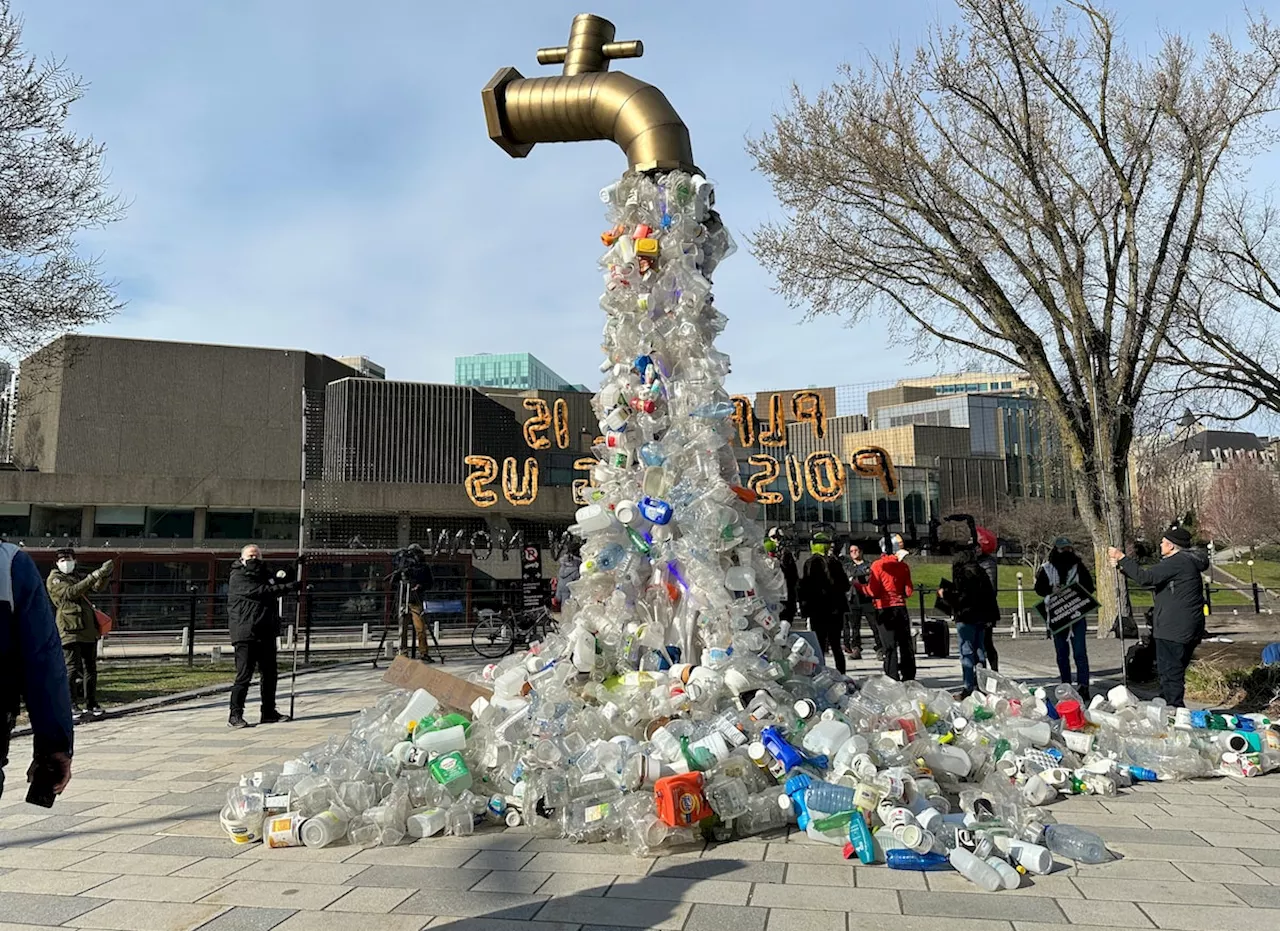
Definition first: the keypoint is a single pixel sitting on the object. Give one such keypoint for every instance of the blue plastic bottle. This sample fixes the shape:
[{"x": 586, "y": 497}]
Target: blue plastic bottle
[
  {"x": 829, "y": 799},
  {"x": 1142, "y": 774},
  {"x": 788, "y": 757},
  {"x": 860, "y": 839},
  {"x": 902, "y": 859},
  {"x": 610, "y": 556}
]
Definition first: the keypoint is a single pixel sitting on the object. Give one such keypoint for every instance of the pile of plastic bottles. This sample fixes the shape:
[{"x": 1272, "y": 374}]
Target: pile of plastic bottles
[{"x": 674, "y": 705}]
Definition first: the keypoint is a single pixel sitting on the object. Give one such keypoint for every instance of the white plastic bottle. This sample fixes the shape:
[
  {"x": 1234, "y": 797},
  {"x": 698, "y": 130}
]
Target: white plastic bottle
[
  {"x": 422, "y": 705},
  {"x": 427, "y": 823},
  {"x": 1031, "y": 857},
  {"x": 324, "y": 829},
  {"x": 978, "y": 872},
  {"x": 443, "y": 740},
  {"x": 1011, "y": 878}
]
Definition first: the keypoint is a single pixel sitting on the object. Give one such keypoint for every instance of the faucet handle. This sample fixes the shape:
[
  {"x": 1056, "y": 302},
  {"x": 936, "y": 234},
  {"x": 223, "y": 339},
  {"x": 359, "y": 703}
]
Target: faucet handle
[{"x": 612, "y": 51}]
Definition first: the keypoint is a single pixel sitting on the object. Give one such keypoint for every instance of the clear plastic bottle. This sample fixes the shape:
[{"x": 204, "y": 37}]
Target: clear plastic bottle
[
  {"x": 977, "y": 871},
  {"x": 1077, "y": 844},
  {"x": 1011, "y": 878}
]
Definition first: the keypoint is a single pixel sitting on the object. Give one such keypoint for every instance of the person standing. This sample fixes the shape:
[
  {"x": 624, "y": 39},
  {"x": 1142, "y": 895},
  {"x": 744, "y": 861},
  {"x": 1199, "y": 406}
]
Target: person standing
[
  {"x": 254, "y": 621},
  {"x": 33, "y": 671},
  {"x": 790, "y": 574},
  {"x": 987, "y": 546},
  {"x": 858, "y": 570},
  {"x": 823, "y": 596},
  {"x": 78, "y": 628},
  {"x": 568, "y": 569},
  {"x": 418, "y": 574},
  {"x": 889, "y": 586},
  {"x": 1178, "y": 617},
  {"x": 1062, "y": 569},
  {"x": 971, "y": 601}
]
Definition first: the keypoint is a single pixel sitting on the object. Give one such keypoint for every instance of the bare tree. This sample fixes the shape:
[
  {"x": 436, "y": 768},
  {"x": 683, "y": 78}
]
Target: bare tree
[
  {"x": 1226, "y": 346},
  {"x": 1242, "y": 504},
  {"x": 1036, "y": 522},
  {"x": 1025, "y": 189},
  {"x": 1168, "y": 486},
  {"x": 51, "y": 187}
]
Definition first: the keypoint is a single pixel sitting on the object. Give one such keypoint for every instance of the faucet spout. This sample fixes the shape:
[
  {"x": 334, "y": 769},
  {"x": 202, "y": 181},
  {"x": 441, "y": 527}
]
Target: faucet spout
[{"x": 587, "y": 101}]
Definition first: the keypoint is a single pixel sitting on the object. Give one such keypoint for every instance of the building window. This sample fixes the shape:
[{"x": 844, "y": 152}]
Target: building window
[
  {"x": 123, "y": 522},
  {"x": 166, "y": 524},
  {"x": 228, "y": 525}
]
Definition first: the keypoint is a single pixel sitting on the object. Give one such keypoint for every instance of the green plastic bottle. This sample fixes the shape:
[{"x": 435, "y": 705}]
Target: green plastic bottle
[{"x": 450, "y": 770}]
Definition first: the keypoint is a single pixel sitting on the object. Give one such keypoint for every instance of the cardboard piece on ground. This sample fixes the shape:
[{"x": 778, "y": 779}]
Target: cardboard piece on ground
[{"x": 452, "y": 692}]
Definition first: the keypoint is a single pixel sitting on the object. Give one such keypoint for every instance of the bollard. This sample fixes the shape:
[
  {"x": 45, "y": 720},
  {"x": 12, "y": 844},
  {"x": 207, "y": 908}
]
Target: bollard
[
  {"x": 364, "y": 634},
  {"x": 1020, "y": 617},
  {"x": 1257, "y": 599},
  {"x": 189, "y": 635},
  {"x": 288, "y": 637},
  {"x": 215, "y": 654}
]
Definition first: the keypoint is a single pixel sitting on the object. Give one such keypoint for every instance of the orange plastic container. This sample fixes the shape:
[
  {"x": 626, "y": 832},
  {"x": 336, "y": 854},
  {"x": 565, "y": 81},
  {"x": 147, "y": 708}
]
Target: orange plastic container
[{"x": 680, "y": 800}]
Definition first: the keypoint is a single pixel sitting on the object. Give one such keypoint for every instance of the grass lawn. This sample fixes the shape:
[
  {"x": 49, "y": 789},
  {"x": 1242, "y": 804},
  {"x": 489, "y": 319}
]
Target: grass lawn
[
  {"x": 1266, "y": 573},
  {"x": 122, "y": 683}
]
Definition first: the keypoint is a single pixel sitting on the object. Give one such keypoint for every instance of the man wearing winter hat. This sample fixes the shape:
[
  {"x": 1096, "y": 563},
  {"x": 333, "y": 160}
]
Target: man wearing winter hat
[{"x": 1179, "y": 606}]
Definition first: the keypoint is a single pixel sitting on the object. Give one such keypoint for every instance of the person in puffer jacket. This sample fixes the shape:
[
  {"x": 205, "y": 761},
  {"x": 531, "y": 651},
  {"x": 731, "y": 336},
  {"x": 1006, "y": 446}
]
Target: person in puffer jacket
[
  {"x": 78, "y": 627},
  {"x": 889, "y": 586}
]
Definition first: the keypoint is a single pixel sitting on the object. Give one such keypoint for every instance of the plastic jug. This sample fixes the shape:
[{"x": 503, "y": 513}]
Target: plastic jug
[
  {"x": 421, "y": 705},
  {"x": 680, "y": 800},
  {"x": 825, "y": 738},
  {"x": 427, "y": 823},
  {"x": 450, "y": 770},
  {"x": 593, "y": 518},
  {"x": 442, "y": 741}
]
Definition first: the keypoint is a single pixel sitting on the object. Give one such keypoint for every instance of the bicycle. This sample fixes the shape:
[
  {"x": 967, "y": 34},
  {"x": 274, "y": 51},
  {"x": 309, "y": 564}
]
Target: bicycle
[{"x": 496, "y": 635}]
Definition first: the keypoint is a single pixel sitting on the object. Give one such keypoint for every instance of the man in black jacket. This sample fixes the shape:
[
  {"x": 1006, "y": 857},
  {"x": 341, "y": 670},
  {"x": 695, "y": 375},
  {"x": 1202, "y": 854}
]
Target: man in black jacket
[
  {"x": 254, "y": 620},
  {"x": 1178, "y": 624}
]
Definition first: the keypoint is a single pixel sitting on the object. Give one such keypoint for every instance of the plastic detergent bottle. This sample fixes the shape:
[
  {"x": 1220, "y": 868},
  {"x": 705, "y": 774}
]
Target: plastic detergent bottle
[{"x": 450, "y": 770}]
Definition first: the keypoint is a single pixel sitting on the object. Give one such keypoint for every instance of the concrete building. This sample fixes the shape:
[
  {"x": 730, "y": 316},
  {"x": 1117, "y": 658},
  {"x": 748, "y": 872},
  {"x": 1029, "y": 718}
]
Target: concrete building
[
  {"x": 364, "y": 365},
  {"x": 974, "y": 383},
  {"x": 508, "y": 370}
]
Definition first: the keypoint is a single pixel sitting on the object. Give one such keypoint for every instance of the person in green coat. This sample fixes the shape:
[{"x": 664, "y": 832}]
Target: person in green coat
[{"x": 78, "y": 627}]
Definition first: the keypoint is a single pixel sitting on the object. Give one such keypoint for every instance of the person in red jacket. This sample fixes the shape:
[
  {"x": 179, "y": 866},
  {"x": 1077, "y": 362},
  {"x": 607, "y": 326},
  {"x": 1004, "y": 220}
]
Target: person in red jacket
[{"x": 889, "y": 587}]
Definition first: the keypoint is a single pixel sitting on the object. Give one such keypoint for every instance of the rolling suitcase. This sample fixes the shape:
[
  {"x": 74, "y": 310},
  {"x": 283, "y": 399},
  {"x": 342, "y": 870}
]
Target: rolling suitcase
[{"x": 936, "y": 637}]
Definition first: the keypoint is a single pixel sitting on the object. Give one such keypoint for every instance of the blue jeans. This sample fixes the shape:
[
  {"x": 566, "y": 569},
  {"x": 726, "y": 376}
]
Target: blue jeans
[
  {"x": 973, "y": 651},
  {"x": 1078, "y": 636}
]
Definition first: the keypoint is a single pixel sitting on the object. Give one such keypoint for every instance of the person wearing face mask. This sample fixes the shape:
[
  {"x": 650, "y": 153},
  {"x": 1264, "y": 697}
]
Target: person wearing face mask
[
  {"x": 254, "y": 620},
  {"x": 78, "y": 627},
  {"x": 1062, "y": 569}
]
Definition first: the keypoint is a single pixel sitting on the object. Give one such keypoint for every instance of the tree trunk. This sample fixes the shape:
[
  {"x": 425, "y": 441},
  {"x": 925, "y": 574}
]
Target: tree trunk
[{"x": 1102, "y": 508}]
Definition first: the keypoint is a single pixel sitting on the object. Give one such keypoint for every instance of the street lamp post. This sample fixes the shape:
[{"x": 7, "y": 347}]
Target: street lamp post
[{"x": 1253, "y": 584}]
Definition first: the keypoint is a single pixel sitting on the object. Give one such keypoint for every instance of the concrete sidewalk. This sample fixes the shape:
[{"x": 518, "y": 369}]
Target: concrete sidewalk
[{"x": 134, "y": 845}]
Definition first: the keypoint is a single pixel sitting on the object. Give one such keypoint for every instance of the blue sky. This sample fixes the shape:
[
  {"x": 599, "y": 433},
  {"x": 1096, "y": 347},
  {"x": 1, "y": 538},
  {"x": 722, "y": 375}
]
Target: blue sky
[{"x": 316, "y": 174}]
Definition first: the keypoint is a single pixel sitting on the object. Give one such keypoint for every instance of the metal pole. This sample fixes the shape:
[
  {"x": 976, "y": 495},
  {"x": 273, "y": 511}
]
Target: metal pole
[
  {"x": 191, "y": 627},
  {"x": 302, "y": 534},
  {"x": 1021, "y": 616}
]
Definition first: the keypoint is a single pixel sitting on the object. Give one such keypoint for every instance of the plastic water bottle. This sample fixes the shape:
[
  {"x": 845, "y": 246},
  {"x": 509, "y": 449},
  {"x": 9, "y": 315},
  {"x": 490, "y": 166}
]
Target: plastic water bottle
[
  {"x": 829, "y": 799},
  {"x": 903, "y": 859},
  {"x": 1077, "y": 844},
  {"x": 1031, "y": 857},
  {"x": 978, "y": 872},
  {"x": 1011, "y": 878}
]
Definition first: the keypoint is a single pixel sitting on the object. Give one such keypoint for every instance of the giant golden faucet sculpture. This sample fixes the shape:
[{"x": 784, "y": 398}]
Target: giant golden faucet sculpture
[{"x": 587, "y": 101}]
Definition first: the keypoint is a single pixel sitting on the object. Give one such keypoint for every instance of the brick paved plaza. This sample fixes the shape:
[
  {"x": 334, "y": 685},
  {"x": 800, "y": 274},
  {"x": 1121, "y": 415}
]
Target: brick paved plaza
[{"x": 134, "y": 845}]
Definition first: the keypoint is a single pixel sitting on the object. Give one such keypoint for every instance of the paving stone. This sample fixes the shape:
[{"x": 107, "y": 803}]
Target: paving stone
[
  {"x": 497, "y": 924},
  {"x": 1225, "y": 873},
  {"x": 42, "y": 882},
  {"x": 212, "y": 868},
  {"x": 148, "y": 916},
  {"x": 260, "y": 894},
  {"x": 296, "y": 871},
  {"x": 325, "y": 921},
  {"x": 709, "y": 891},
  {"x": 1134, "y": 869},
  {"x": 565, "y": 884},
  {"x": 417, "y": 877},
  {"x": 299, "y": 854},
  {"x": 1055, "y": 885},
  {"x": 118, "y": 843},
  {"x": 494, "y": 840},
  {"x": 726, "y": 918},
  {"x": 40, "y": 858},
  {"x": 1209, "y": 823},
  {"x": 373, "y": 900},
  {"x": 192, "y": 847},
  {"x": 877, "y": 877},
  {"x": 156, "y": 888},
  {"x": 794, "y": 919},
  {"x": 498, "y": 860},
  {"x": 1145, "y": 836},
  {"x": 918, "y": 923},
  {"x": 618, "y": 863},
  {"x": 248, "y": 919},
  {"x": 623, "y": 913},
  {"x": 1251, "y": 841},
  {"x": 814, "y": 874},
  {"x": 1115, "y": 914},
  {"x": 135, "y": 864},
  {"x": 514, "y": 881},
  {"x": 28, "y": 908},
  {"x": 413, "y": 855},
  {"x": 1257, "y": 896},
  {"x": 1203, "y": 854},
  {"x": 870, "y": 901},
  {"x": 1261, "y": 857},
  {"x": 977, "y": 905},
  {"x": 1124, "y": 890},
  {"x": 801, "y": 853},
  {"x": 748, "y": 850},
  {"x": 203, "y": 827},
  {"x": 1200, "y": 917},
  {"x": 471, "y": 904},
  {"x": 724, "y": 869}
]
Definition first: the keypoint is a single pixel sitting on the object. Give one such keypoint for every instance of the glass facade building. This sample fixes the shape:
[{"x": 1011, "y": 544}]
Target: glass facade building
[{"x": 507, "y": 370}]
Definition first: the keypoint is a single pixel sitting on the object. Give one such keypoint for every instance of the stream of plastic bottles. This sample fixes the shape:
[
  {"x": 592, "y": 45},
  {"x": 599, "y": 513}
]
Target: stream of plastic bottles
[{"x": 676, "y": 706}]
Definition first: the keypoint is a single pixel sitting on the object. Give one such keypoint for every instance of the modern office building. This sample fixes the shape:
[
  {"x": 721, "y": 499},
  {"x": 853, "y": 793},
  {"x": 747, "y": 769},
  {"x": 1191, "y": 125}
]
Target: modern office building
[
  {"x": 519, "y": 370},
  {"x": 974, "y": 382},
  {"x": 364, "y": 365}
]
